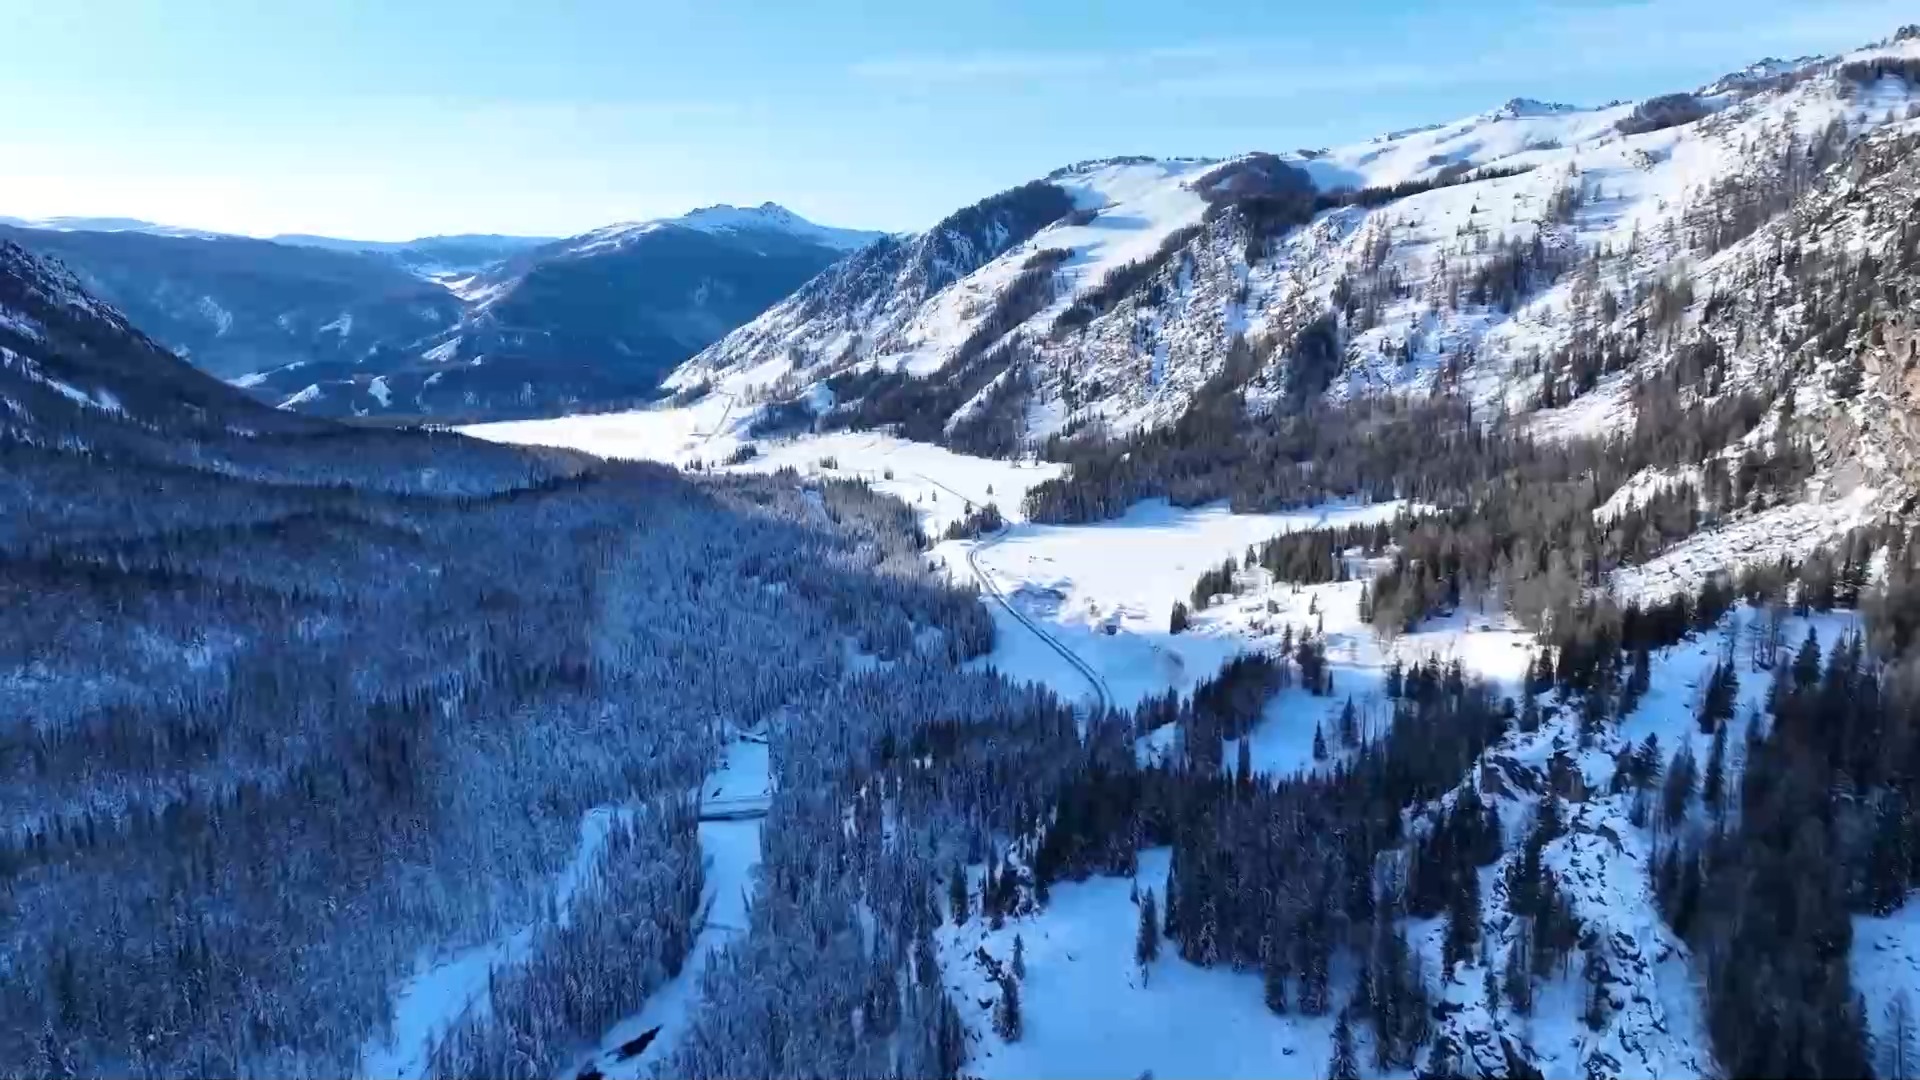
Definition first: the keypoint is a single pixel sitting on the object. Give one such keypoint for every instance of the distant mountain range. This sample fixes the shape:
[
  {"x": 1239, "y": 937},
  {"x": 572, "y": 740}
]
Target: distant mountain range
[{"x": 445, "y": 327}]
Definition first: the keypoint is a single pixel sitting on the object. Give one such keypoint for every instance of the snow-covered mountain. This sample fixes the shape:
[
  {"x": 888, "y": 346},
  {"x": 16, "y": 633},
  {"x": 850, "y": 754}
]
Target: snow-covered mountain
[
  {"x": 233, "y": 305},
  {"x": 429, "y": 256},
  {"x": 586, "y": 322},
  {"x": 1488, "y": 253},
  {"x": 469, "y": 326},
  {"x": 104, "y": 224},
  {"x": 768, "y": 218}
]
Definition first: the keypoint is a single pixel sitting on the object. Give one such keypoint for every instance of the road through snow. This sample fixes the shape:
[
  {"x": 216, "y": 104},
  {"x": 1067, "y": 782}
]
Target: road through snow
[{"x": 1101, "y": 693}]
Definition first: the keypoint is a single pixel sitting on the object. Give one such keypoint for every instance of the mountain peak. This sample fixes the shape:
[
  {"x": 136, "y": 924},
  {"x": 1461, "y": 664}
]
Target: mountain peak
[
  {"x": 772, "y": 217},
  {"x": 768, "y": 217},
  {"x": 1515, "y": 108},
  {"x": 1759, "y": 72}
]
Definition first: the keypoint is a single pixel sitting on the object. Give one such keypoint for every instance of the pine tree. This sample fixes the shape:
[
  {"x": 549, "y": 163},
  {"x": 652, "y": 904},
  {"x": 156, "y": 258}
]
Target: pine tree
[
  {"x": 1179, "y": 620},
  {"x": 1019, "y": 957},
  {"x": 1170, "y": 921},
  {"x": 1343, "y": 1065},
  {"x": 1319, "y": 744},
  {"x": 1349, "y": 725},
  {"x": 957, "y": 893},
  {"x": 1890, "y": 860},
  {"x": 1899, "y": 1041},
  {"x": 1517, "y": 974},
  {"x": 1639, "y": 679},
  {"x": 1679, "y": 786},
  {"x": 1806, "y": 662},
  {"x": 1007, "y": 1022},
  {"x": 1713, "y": 785},
  {"x": 990, "y": 894},
  {"x": 1463, "y": 916},
  {"x": 1530, "y": 712},
  {"x": 1597, "y": 1007},
  {"x": 1146, "y": 941},
  {"x": 1273, "y": 979}
]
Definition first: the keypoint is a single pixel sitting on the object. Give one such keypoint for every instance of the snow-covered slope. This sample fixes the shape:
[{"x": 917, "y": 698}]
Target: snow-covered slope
[
  {"x": 721, "y": 219},
  {"x": 586, "y": 322},
  {"x": 1482, "y": 254}
]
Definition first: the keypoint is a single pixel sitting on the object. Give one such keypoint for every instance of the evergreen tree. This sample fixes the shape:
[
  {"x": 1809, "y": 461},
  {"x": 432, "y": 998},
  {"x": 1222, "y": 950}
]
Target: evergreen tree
[
  {"x": 1007, "y": 1022},
  {"x": 1679, "y": 786},
  {"x": 1899, "y": 1041},
  {"x": 1597, "y": 1008},
  {"x": 1343, "y": 1064},
  {"x": 1273, "y": 979},
  {"x": 1319, "y": 743},
  {"x": 1146, "y": 941},
  {"x": 1463, "y": 917},
  {"x": 1713, "y": 783},
  {"x": 1530, "y": 712},
  {"x": 1806, "y": 662},
  {"x": 1891, "y": 859},
  {"x": 1170, "y": 921},
  {"x": 1019, "y": 957},
  {"x": 957, "y": 893},
  {"x": 1517, "y": 974}
]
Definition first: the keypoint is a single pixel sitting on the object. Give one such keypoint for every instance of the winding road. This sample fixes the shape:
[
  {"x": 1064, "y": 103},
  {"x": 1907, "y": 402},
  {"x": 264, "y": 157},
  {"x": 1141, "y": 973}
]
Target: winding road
[{"x": 1101, "y": 693}]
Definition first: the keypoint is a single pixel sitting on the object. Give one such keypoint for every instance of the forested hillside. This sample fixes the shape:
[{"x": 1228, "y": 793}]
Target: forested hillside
[{"x": 292, "y": 707}]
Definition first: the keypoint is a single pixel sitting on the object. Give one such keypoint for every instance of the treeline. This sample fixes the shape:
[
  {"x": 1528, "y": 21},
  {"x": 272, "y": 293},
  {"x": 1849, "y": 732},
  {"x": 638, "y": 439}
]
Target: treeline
[
  {"x": 1657, "y": 113},
  {"x": 1268, "y": 214},
  {"x": 1515, "y": 518},
  {"x": 1121, "y": 281},
  {"x": 1873, "y": 69},
  {"x": 1293, "y": 877}
]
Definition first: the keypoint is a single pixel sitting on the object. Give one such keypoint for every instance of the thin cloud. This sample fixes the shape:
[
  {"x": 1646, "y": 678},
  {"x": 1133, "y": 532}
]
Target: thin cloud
[
  {"x": 978, "y": 67},
  {"x": 946, "y": 69},
  {"x": 1609, "y": 36}
]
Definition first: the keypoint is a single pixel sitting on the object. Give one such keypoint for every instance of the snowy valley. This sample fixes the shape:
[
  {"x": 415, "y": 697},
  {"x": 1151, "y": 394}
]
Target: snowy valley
[{"x": 1447, "y": 605}]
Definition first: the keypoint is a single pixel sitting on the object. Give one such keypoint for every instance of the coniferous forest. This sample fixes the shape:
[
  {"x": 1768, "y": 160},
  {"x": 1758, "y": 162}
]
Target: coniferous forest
[{"x": 303, "y": 722}]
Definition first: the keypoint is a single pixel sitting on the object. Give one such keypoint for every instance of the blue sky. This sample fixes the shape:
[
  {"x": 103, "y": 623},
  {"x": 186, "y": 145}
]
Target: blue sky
[{"x": 383, "y": 120}]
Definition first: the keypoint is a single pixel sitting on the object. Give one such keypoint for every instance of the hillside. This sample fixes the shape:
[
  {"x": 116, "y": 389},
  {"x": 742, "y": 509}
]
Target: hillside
[
  {"x": 294, "y": 711},
  {"x": 1534, "y": 258},
  {"x": 451, "y": 327},
  {"x": 588, "y": 322}
]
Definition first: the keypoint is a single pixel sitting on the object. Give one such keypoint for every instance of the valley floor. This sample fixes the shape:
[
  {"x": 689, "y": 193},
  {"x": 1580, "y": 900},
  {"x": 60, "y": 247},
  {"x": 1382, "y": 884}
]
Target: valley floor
[{"x": 1103, "y": 593}]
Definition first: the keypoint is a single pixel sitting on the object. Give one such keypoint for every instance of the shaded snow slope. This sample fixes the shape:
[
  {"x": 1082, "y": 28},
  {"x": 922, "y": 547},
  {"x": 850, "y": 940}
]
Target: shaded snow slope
[{"x": 442, "y": 990}]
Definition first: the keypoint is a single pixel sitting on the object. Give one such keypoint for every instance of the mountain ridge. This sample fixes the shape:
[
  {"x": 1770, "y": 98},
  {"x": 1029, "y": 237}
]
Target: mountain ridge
[{"x": 403, "y": 329}]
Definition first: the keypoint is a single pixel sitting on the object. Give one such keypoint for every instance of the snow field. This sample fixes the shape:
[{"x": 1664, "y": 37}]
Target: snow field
[
  {"x": 1087, "y": 1012},
  {"x": 1107, "y": 590}
]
